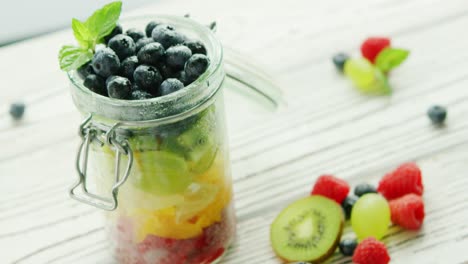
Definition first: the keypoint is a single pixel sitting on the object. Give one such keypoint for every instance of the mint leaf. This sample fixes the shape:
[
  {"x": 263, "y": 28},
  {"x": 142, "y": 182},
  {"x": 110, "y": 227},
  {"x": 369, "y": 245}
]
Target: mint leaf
[
  {"x": 390, "y": 58},
  {"x": 103, "y": 21},
  {"x": 82, "y": 34},
  {"x": 71, "y": 58}
]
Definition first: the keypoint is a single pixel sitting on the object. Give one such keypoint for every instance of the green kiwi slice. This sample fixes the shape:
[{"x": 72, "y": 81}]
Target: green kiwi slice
[{"x": 307, "y": 230}]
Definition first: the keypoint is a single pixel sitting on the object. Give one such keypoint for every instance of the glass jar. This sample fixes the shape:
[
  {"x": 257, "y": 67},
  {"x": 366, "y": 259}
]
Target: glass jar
[{"x": 160, "y": 166}]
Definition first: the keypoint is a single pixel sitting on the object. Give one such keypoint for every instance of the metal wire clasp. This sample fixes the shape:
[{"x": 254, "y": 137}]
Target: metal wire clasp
[{"x": 88, "y": 133}]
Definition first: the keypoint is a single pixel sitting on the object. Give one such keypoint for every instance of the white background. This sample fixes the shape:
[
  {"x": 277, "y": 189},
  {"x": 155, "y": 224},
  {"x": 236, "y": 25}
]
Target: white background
[{"x": 20, "y": 19}]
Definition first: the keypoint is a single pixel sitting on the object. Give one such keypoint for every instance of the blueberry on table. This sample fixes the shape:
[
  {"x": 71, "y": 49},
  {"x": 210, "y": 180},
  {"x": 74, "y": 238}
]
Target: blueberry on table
[
  {"x": 151, "y": 54},
  {"x": 17, "y": 110},
  {"x": 119, "y": 88},
  {"x": 96, "y": 84},
  {"x": 117, "y": 30},
  {"x": 364, "y": 188},
  {"x": 148, "y": 78},
  {"x": 196, "y": 66},
  {"x": 105, "y": 62},
  {"x": 170, "y": 85},
  {"x": 123, "y": 45},
  {"x": 135, "y": 34},
  {"x": 177, "y": 56},
  {"x": 348, "y": 204},
  {"x": 149, "y": 27},
  {"x": 85, "y": 70},
  {"x": 195, "y": 46},
  {"x": 437, "y": 114},
  {"x": 140, "y": 95},
  {"x": 167, "y": 36},
  {"x": 339, "y": 61},
  {"x": 347, "y": 246},
  {"x": 128, "y": 66},
  {"x": 142, "y": 42}
]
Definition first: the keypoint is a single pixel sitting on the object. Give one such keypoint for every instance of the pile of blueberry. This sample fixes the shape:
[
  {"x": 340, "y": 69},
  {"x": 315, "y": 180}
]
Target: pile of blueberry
[{"x": 138, "y": 65}]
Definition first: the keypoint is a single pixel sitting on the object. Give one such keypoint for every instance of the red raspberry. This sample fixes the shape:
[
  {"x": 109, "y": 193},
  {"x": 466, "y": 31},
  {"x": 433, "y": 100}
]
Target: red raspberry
[
  {"x": 371, "y": 47},
  {"x": 408, "y": 211},
  {"x": 331, "y": 187},
  {"x": 405, "y": 179},
  {"x": 371, "y": 251}
]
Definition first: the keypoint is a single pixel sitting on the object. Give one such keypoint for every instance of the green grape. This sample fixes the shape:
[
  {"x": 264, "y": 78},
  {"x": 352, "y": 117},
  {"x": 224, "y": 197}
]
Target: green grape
[
  {"x": 360, "y": 71},
  {"x": 366, "y": 77},
  {"x": 370, "y": 216}
]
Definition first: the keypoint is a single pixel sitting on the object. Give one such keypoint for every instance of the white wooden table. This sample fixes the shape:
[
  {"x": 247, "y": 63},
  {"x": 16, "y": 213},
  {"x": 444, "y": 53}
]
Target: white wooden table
[{"x": 327, "y": 127}]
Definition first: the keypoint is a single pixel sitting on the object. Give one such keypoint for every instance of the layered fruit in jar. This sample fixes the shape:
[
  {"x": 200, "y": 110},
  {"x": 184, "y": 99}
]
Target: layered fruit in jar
[{"x": 176, "y": 206}]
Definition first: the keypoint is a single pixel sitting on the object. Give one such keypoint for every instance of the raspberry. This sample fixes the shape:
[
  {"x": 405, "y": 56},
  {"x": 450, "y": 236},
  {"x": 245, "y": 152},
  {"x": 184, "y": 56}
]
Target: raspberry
[
  {"x": 408, "y": 211},
  {"x": 371, "y": 47},
  {"x": 405, "y": 179},
  {"x": 371, "y": 251},
  {"x": 331, "y": 187}
]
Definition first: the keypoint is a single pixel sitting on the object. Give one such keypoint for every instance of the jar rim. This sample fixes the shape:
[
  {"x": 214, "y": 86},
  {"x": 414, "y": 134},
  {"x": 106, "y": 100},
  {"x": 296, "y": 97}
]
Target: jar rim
[{"x": 163, "y": 107}]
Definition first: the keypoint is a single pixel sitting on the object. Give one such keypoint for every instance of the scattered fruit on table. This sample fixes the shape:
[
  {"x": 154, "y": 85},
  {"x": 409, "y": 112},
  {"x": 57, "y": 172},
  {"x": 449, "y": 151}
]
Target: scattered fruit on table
[
  {"x": 364, "y": 188},
  {"x": 405, "y": 179},
  {"x": 408, "y": 211},
  {"x": 368, "y": 73},
  {"x": 397, "y": 200},
  {"x": 145, "y": 59},
  {"x": 347, "y": 246},
  {"x": 372, "y": 46},
  {"x": 370, "y": 216},
  {"x": 371, "y": 251},
  {"x": 437, "y": 114},
  {"x": 331, "y": 187},
  {"x": 339, "y": 60},
  {"x": 348, "y": 204},
  {"x": 17, "y": 110},
  {"x": 307, "y": 230}
]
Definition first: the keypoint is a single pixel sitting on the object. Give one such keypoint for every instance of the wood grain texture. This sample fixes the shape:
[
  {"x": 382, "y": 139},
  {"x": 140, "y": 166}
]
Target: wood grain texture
[{"x": 326, "y": 126}]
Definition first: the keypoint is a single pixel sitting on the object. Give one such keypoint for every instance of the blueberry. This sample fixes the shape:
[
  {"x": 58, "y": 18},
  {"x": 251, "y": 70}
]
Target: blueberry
[
  {"x": 167, "y": 36},
  {"x": 437, "y": 114},
  {"x": 347, "y": 246},
  {"x": 151, "y": 54},
  {"x": 117, "y": 30},
  {"x": 196, "y": 66},
  {"x": 140, "y": 95},
  {"x": 119, "y": 88},
  {"x": 135, "y": 34},
  {"x": 348, "y": 204},
  {"x": 17, "y": 110},
  {"x": 196, "y": 47},
  {"x": 339, "y": 60},
  {"x": 142, "y": 42},
  {"x": 128, "y": 66},
  {"x": 123, "y": 45},
  {"x": 364, "y": 188},
  {"x": 85, "y": 70},
  {"x": 166, "y": 71},
  {"x": 148, "y": 78},
  {"x": 110, "y": 78},
  {"x": 171, "y": 85},
  {"x": 182, "y": 76},
  {"x": 177, "y": 56},
  {"x": 96, "y": 84},
  {"x": 105, "y": 62},
  {"x": 149, "y": 28}
]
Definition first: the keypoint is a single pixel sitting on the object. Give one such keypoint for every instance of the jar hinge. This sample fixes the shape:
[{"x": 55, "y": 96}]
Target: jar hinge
[{"x": 88, "y": 133}]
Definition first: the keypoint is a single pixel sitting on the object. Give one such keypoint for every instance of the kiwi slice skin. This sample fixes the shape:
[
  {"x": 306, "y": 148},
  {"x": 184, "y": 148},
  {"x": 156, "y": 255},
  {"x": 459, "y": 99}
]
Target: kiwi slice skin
[{"x": 325, "y": 211}]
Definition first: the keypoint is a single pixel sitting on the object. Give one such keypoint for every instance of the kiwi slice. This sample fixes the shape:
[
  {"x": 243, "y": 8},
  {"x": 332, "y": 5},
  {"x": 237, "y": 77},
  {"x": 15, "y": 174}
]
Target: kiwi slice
[
  {"x": 307, "y": 230},
  {"x": 161, "y": 173}
]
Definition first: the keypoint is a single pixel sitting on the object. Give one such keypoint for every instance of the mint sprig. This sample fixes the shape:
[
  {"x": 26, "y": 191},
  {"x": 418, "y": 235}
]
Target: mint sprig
[
  {"x": 390, "y": 58},
  {"x": 88, "y": 34}
]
